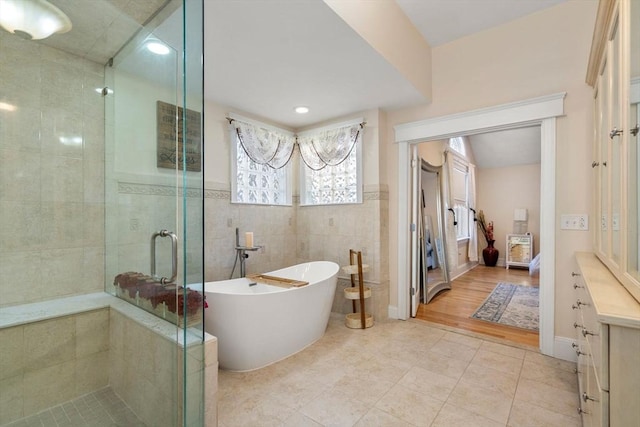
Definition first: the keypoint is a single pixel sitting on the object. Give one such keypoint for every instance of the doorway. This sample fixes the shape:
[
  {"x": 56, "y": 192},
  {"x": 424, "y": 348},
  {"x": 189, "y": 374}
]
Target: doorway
[{"x": 542, "y": 111}]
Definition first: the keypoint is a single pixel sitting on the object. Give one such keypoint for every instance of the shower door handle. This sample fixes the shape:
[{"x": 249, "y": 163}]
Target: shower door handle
[{"x": 174, "y": 255}]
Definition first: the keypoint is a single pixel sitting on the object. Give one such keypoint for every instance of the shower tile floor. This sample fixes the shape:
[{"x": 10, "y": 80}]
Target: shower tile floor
[
  {"x": 102, "y": 408},
  {"x": 403, "y": 373}
]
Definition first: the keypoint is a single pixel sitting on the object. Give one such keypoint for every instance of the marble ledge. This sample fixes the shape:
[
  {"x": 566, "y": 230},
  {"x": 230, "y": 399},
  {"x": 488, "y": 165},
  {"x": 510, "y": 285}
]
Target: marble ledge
[
  {"x": 613, "y": 304},
  {"x": 28, "y": 313}
]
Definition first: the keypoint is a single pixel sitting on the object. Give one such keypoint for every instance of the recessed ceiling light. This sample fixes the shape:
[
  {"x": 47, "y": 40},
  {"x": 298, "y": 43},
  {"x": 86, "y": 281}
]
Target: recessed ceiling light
[
  {"x": 158, "y": 48},
  {"x": 301, "y": 110}
]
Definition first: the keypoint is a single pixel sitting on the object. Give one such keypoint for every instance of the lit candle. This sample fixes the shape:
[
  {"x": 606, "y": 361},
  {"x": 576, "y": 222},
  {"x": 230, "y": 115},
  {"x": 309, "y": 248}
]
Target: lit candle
[{"x": 248, "y": 239}]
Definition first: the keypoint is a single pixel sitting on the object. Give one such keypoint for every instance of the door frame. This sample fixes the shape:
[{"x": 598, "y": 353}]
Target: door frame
[{"x": 541, "y": 111}]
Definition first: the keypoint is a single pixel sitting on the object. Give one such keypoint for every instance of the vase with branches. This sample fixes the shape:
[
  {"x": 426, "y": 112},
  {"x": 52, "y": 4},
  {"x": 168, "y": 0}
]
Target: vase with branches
[{"x": 489, "y": 254}]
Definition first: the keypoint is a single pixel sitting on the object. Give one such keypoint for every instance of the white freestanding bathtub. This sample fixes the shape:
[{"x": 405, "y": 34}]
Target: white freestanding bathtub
[{"x": 261, "y": 324}]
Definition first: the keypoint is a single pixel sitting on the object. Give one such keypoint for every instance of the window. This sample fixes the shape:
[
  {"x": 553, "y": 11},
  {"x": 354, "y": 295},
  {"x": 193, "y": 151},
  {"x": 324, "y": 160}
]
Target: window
[
  {"x": 460, "y": 196},
  {"x": 254, "y": 183},
  {"x": 340, "y": 184},
  {"x": 457, "y": 144}
]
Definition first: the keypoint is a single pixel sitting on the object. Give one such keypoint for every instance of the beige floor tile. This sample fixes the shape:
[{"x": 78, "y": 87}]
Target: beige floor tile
[
  {"x": 299, "y": 420},
  {"x": 335, "y": 409},
  {"x": 368, "y": 390},
  {"x": 507, "y": 350},
  {"x": 442, "y": 364},
  {"x": 435, "y": 385},
  {"x": 454, "y": 416},
  {"x": 454, "y": 349},
  {"x": 328, "y": 371},
  {"x": 548, "y": 397},
  {"x": 524, "y": 414},
  {"x": 295, "y": 391},
  {"x": 490, "y": 378},
  {"x": 377, "y": 418},
  {"x": 489, "y": 403},
  {"x": 406, "y": 351},
  {"x": 463, "y": 339},
  {"x": 497, "y": 361},
  {"x": 255, "y": 412},
  {"x": 555, "y": 377},
  {"x": 541, "y": 359},
  {"x": 382, "y": 368},
  {"x": 415, "y": 408}
]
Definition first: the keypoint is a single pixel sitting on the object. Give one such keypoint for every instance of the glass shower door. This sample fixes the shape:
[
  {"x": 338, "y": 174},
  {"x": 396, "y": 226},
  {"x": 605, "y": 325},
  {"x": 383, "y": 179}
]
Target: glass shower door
[{"x": 153, "y": 214}]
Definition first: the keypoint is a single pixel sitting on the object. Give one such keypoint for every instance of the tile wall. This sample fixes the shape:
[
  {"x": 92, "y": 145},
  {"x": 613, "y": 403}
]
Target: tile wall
[
  {"x": 43, "y": 364},
  {"x": 297, "y": 234},
  {"x": 51, "y": 180},
  {"x": 146, "y": 371}
]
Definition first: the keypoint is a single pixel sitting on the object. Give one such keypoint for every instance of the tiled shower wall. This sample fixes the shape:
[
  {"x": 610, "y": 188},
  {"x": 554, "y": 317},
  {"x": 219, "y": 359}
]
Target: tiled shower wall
[
  {"x": 51, "y": 180},
  {"x": 296, "y": 234},
  {"x": 49, "y": 362}
]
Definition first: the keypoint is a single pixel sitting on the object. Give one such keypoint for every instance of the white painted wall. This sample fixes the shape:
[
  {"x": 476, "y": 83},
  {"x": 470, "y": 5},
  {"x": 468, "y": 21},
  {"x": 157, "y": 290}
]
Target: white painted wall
[{"x": 541, "y": 54}]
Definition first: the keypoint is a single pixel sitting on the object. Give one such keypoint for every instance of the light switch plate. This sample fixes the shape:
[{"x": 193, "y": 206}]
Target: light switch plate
[{"x": 574, "y": 222}]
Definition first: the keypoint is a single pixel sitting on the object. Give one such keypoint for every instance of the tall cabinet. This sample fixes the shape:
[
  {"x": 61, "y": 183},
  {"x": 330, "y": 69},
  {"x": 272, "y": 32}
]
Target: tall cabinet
[
  {"x": 607, "y": 304},
  {"x": 614, "y": 73}
]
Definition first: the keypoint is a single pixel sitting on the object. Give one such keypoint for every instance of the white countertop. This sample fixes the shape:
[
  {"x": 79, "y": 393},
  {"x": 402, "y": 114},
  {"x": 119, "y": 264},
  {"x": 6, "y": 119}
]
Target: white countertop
[{"x": 614, "y": 305}]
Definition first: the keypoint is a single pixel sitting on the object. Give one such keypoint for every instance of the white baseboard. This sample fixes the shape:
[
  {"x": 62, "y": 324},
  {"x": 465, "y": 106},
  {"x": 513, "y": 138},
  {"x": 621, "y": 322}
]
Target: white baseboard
[
  {"x": 393, "y": 312},
  {"x": 564, "y": 350}
]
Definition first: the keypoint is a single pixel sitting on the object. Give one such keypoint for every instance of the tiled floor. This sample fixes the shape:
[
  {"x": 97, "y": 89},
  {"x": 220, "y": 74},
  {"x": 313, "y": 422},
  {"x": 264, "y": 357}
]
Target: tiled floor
[
  {"x": 402, "y": 373},
  {"x": 102, "y": 408}
]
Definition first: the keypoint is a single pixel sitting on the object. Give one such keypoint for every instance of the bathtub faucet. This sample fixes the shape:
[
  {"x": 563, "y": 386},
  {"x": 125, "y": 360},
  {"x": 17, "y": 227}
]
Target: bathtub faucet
[{"x": 241, "y": 253}]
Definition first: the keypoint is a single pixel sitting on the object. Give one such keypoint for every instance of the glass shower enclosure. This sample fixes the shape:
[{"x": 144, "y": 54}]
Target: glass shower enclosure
[
  {"x": 154, "y": 193},
  {"x": 101, "y": 200}
]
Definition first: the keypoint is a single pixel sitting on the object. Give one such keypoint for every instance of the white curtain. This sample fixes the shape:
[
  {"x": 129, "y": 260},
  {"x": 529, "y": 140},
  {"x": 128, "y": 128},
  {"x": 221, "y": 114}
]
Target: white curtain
[
  {"x": 318, "y": 149},
  {"x": 328, "y": 147},
  {"x": 265, "y": 146},
  {"x": 473, "y": 228}
]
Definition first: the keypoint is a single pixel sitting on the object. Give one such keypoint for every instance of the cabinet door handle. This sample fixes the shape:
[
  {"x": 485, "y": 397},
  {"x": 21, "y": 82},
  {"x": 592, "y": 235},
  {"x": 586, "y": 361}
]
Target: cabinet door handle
[
  {"x": 594, "y": 164},
  {"x": 586, "y": 397},
  {"x": 574, "y": 274},
  {"x": 575, "y": 325},
  {"x": 634, "y": 130},
  {"x": 615, "y": 132},
  {"x": 576, "y": 286},
  {"x": 585, "y": 333},
  {"x": 582, "y": 411}
]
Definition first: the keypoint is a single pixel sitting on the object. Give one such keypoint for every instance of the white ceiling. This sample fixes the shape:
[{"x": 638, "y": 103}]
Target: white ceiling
[
  {"x": 442, "y": 21},
  {"x": 507, "y": 148},
  {"x": 266, "y": 57}
]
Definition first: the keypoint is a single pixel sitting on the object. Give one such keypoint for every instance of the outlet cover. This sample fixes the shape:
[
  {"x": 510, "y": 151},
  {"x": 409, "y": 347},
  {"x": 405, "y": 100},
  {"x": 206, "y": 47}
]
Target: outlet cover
[{"x": 574, "y": 222}]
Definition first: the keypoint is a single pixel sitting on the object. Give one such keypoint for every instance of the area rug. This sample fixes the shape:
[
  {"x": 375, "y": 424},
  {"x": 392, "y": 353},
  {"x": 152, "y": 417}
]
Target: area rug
[{"x": 511, "y": 305}]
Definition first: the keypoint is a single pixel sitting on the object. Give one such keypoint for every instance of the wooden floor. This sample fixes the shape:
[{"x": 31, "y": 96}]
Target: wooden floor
[{"x": 454, "y": 307}]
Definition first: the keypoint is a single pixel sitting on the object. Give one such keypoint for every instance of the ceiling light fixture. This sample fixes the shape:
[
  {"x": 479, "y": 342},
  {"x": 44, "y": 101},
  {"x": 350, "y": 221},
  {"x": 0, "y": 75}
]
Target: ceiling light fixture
[
  {"x": 157, "y": 47},
  {"x": 32, "y": 19},
  {"x": 301, "y": 110}
]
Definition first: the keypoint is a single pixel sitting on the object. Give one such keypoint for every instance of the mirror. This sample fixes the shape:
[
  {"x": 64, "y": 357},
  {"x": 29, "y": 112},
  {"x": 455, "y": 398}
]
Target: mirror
[{"x": 434, "y": 276}]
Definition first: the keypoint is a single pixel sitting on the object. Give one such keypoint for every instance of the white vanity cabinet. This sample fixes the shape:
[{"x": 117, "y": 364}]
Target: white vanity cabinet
[{"x": 607, "y": 325}]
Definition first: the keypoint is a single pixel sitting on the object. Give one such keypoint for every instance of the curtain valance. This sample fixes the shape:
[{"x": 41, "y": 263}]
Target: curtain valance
[
  {"x": 265, "y": 146},
  {"x": 318, "y": 148}
]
